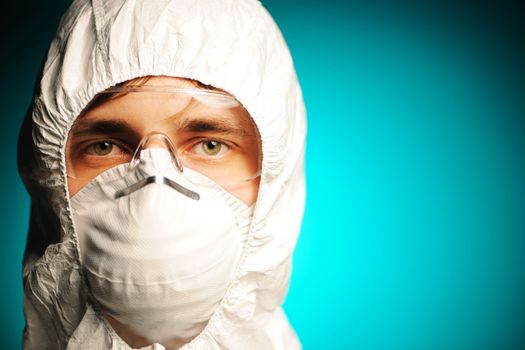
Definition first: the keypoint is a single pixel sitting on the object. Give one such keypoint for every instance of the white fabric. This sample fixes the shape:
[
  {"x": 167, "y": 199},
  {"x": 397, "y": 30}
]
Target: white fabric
[
  {"x": 230, "y": 44},
  {"x": 156, "y": 260}
]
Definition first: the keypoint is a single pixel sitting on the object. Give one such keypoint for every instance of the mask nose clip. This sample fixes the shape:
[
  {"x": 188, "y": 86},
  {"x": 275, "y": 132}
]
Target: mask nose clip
[
  {"x": 157, "y": 180},
  {"x": 156, "y": 139}
]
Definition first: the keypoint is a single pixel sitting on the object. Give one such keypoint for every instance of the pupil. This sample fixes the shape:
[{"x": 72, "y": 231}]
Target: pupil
[
  {"x": 212, "y": 147},
  {"x": 103, "y": 148}
]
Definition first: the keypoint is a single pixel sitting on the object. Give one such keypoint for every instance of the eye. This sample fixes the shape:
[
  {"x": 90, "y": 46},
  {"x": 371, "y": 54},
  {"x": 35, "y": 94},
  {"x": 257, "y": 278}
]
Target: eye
[
  {"x": 210, "y": 148},
  {"x": 103, "y": 148}
]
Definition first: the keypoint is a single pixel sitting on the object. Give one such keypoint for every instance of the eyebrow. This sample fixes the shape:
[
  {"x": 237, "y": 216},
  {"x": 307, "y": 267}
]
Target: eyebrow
[
  {"x": 101, "y": 127},
  {"x": 195, "y": 125},
  {"x": 223, "y": 126}
]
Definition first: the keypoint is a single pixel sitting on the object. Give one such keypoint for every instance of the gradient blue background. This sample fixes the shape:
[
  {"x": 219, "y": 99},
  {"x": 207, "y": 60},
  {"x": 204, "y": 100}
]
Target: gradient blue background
[{"x": 414, "y": 231}]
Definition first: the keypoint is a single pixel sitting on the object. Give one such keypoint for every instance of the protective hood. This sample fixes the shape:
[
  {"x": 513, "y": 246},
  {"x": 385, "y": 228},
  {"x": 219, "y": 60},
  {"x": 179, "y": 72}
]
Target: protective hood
[{"x": 233, "y": 45}]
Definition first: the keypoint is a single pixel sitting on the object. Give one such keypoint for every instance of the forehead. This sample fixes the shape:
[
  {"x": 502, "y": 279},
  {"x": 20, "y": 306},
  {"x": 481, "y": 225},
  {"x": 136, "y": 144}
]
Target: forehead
[{"x": 165, "y": 101}]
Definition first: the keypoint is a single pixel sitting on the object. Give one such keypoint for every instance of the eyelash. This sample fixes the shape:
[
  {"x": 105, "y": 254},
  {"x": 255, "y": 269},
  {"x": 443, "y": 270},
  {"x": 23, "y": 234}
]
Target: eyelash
[
  {"x": 90, "y": 146},
  {"x": 127, "y": 150},
  {"x": 223, "y": 148}
]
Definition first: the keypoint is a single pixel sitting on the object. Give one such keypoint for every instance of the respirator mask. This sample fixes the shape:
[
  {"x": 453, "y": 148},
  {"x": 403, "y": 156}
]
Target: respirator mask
[{"x": 162, "y": 179}]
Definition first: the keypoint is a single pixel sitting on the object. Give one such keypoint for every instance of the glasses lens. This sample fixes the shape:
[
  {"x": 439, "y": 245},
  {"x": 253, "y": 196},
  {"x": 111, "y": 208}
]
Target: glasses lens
[{"x": 206, "y": 131}]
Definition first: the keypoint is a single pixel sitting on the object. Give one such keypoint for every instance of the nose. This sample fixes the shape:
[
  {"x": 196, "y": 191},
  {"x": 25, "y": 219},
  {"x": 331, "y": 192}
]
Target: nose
[{"x": 156, "y": 139}]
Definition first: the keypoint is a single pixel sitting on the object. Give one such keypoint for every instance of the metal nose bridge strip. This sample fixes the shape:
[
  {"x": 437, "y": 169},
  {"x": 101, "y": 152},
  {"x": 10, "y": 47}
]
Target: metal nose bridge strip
[{"x": 158, "y": 180}]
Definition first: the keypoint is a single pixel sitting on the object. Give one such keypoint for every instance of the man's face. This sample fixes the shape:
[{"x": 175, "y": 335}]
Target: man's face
[{"x": 221, "y": 143}]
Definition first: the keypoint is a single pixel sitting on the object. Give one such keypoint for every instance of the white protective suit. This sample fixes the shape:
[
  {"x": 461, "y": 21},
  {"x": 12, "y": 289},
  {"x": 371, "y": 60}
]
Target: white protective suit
[{"x": 230, "y": 44}]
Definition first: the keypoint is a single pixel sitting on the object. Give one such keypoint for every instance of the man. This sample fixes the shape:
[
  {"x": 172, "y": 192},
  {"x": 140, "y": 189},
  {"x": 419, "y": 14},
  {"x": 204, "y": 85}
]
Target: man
[{"x": 164, "y": 158}]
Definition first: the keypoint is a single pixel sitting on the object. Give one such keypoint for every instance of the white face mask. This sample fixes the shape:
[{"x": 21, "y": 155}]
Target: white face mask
[{"x": 155, "y": 259}]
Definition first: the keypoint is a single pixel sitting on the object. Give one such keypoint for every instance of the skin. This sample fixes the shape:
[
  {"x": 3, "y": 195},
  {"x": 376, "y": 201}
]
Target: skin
[
  {"x": 108, "y": 133},
  {"x": 197, "y": 131}
]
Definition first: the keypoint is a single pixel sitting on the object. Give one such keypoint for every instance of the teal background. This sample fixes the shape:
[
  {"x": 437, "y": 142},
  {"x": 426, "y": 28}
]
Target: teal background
[{"x": 414, "y": 230}]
